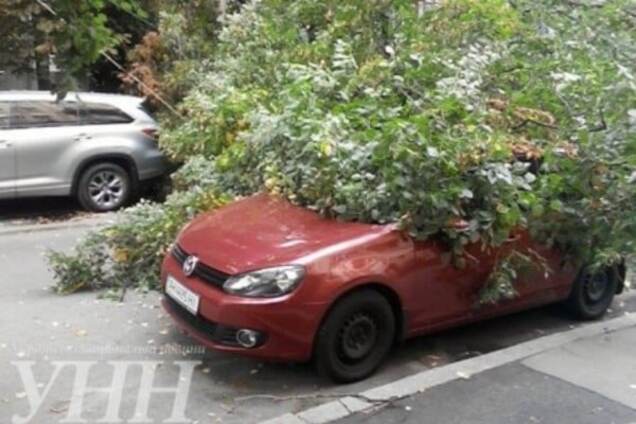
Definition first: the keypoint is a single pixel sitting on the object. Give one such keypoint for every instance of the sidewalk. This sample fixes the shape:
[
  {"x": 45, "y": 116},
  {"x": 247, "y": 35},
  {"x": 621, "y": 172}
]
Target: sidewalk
[
  {"x": 585, "y": 375},
  {"x": 28, "y": 225},
  {"x": 591, "y": 381}
]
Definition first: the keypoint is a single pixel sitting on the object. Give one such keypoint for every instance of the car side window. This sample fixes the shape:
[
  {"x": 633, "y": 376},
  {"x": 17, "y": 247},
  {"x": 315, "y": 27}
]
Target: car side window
[
  {"x": 37, "y": 114},
  {"x": 4, "y": 115},
  {"x": 103, "y": 114}
]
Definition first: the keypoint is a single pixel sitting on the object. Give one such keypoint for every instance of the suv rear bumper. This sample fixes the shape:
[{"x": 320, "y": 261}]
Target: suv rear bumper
[{"x": 153, "y": 164}]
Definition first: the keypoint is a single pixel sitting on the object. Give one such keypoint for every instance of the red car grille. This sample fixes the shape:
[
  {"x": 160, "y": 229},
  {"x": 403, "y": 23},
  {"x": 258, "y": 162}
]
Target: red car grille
[{"x": 202, "y": 271}]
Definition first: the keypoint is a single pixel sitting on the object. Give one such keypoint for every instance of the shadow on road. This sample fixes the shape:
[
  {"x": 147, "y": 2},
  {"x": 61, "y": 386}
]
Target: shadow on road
[
  {"x": 54, "y": 209},
  {"x": 408, "y": 358},
  {"x": 40, "y": 209}
]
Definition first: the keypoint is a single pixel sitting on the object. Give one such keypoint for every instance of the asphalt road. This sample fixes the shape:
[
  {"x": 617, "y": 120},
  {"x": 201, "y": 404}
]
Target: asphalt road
[
  {"x": 40, "y": 326},
  {"x": 40, "y": 209}
]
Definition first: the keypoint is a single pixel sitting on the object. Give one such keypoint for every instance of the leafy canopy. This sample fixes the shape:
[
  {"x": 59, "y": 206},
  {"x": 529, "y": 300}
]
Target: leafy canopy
[
  {"x": 76, "y": 32},
  {"x": 494, "y": 114},
  {"x": 367, "y": 111}
]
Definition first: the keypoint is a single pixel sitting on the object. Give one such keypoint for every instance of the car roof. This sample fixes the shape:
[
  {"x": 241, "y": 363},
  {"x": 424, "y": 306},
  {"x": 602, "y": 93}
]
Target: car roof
[{"x": 15, "y": 95}]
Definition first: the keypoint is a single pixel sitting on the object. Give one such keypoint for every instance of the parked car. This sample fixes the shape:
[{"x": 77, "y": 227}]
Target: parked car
[
  {"x": 99, "y": 148},
  {"x": 268, "y": 279}
]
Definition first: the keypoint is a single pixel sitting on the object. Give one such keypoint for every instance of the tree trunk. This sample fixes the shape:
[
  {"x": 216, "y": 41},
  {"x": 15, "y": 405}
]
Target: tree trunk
[
  {"x": 222, "y": 7},
  {"x": 42, "y": 71},
  {"x": 41, "y": 59}
]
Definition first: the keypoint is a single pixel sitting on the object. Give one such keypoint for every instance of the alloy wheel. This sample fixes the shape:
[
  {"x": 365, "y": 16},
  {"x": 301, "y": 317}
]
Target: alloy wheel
[{"x": 106, "y": 189}]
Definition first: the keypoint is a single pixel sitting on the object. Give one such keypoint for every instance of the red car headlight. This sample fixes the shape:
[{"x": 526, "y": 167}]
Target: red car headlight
[{"x": 268, "y": 282}]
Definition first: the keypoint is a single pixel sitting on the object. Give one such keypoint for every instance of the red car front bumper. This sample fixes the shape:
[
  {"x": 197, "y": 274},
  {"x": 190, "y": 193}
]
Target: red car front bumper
[{"x": 288, "y": 323}]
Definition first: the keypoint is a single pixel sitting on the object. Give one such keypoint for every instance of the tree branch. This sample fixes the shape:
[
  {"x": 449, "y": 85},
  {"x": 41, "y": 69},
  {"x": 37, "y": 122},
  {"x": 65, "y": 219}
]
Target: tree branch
[
  {"x": 588, "y": 3},
  {"x": 602, "y": 126}
]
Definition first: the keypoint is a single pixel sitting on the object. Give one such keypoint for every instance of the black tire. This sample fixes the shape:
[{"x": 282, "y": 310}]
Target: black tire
[
  {"x": 355, "y": 337},
  {"x": 592, "y": 293},
  {"x": 104, "y": 175}
]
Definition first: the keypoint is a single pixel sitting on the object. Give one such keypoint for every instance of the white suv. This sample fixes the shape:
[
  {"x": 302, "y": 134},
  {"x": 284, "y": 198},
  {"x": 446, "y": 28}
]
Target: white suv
[{"x": 97, "y": 147}]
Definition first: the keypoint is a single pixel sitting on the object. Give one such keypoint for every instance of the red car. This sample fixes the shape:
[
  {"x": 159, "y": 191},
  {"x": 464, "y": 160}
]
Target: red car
[{"x": 266, "y": 278}]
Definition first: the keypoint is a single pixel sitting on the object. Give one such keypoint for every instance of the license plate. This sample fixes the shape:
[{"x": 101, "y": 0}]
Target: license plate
[{"x": 183, "y": 295}]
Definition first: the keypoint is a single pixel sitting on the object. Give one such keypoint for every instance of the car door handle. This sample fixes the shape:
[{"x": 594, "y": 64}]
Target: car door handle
[
  {"x": 82, "y": 136},
  {"x": 4, "y": 144}
]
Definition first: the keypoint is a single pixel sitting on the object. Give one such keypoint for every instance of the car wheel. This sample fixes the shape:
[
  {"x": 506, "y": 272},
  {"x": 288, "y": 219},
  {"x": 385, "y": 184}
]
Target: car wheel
[
  {"x": 592, "y": 293},
  {"x": 355, "y": 337},
  {"x": 104, "y": 187}
]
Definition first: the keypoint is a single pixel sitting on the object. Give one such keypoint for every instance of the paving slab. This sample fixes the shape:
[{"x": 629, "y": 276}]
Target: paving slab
[
  {"x": 605, "y": 365},
  {"x": 511, "y": 394}
]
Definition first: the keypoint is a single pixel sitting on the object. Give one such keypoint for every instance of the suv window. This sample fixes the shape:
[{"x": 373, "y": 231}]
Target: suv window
[
  {"x": 148, "y": 108},
  {"x": 4, "y": 115},
  {"x": 101, "y": 114},
  {"x": 35, "y": 113}
]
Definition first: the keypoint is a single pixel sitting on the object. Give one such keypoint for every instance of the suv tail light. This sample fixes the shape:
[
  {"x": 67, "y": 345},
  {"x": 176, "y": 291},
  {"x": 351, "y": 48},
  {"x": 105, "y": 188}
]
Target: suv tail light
[{"x": 151, "y": 132}]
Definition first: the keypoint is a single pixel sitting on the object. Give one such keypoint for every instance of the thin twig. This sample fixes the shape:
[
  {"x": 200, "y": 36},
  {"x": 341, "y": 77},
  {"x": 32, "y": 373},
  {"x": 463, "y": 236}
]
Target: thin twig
[
  {"x": 578, "y": 3},
  {"x": 140, "y": 82},
  {"x": 47, "y": 7},
  {"x": 602, "y": 126},
  {"x": 120, "y": 67}
]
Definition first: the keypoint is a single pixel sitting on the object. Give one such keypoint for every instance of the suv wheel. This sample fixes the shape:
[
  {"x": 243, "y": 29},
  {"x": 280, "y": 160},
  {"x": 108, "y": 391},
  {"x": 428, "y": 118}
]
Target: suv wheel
[
  {"x": 104, "y": 187},
  {"x": 355, "y": 337},
  {"x": 592, "y": 293}
]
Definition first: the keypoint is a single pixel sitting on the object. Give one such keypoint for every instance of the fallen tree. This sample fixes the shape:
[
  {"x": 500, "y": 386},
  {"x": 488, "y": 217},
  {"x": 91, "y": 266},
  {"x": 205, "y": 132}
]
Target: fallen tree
[{"x": 495, "y": 114}]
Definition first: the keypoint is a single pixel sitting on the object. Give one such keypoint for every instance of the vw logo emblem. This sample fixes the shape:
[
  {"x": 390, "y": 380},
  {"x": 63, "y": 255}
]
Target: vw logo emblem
[{"x": 189, "y": 265}]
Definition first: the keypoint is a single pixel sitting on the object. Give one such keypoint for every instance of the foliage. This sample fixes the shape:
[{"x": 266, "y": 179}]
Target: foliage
[
  {"x": 162, "y": 64},
  {"x": 129, "y": 253},
  {"x": 84, "y": 268},
  {"x": 103, "y": 75},
  {"x": 501, "y": 114},
  {"x": 76, "y": 32},
  {"x": 507, "y": 270},
  {"x": 174, "y": 46},
  {"x": 197, "y": 172}
]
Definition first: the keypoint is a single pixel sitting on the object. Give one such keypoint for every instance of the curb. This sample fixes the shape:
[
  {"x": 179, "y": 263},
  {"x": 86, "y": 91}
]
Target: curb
[
  {"x": 424, "y": 380},
  {"x": 31, "y": 228}
]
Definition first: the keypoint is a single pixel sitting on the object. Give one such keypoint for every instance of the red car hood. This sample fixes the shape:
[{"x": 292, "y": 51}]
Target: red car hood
[{"x": 263, "y": 230}]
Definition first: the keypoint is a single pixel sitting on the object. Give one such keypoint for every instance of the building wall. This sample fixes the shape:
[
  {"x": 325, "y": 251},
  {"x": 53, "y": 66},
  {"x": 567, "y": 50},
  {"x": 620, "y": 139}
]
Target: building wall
[{"x": 10, "y": 81}]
